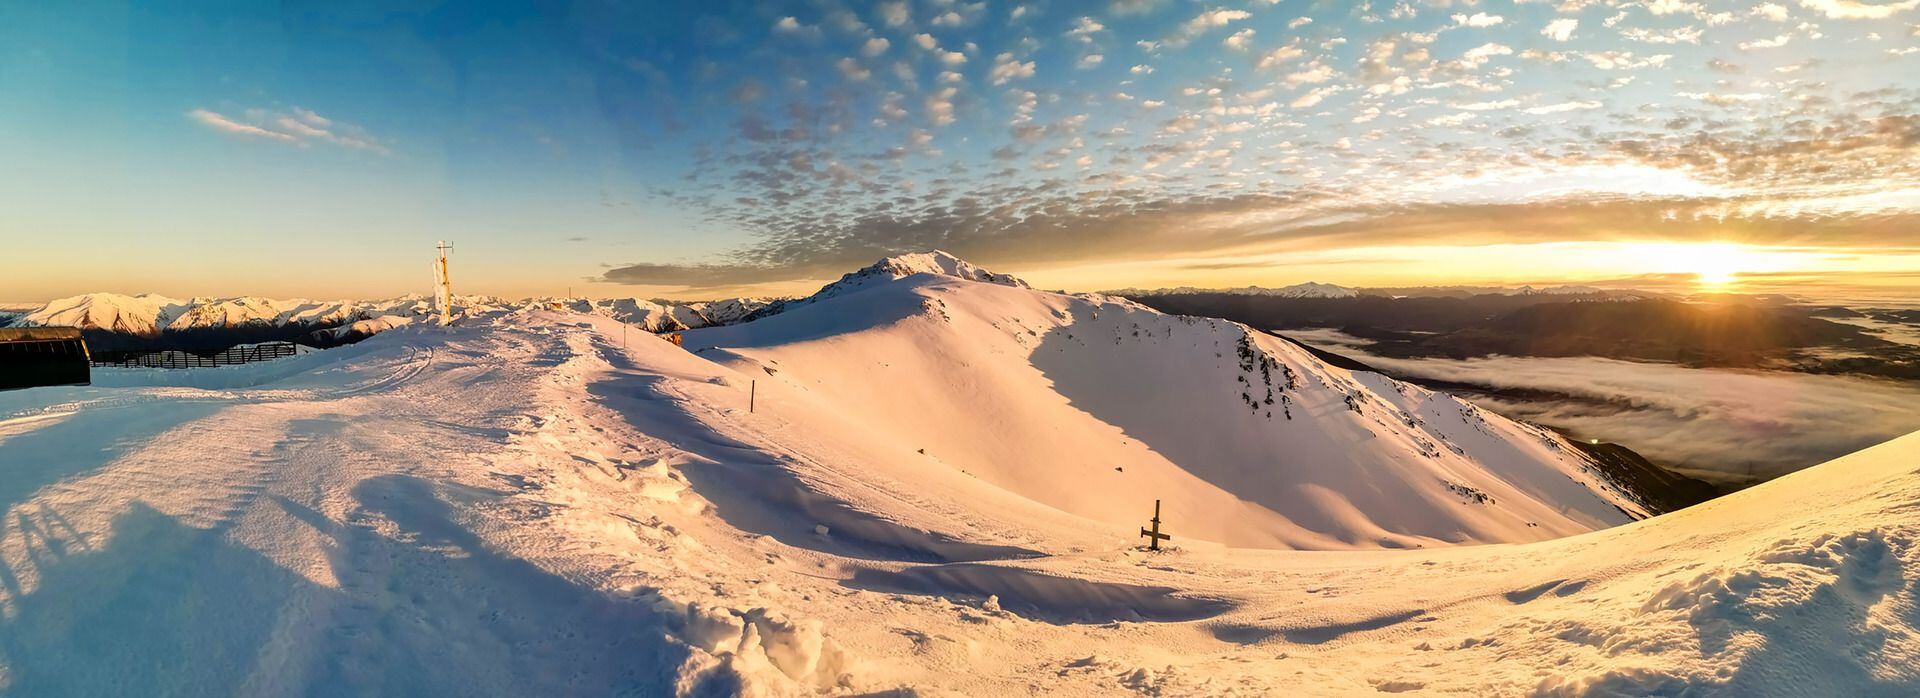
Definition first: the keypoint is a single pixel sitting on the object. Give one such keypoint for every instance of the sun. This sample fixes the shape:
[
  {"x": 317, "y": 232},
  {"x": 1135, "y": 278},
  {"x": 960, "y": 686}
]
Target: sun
[
  {"x": 1713, "y": 265},
  {"x": 1715, "y": 273}
]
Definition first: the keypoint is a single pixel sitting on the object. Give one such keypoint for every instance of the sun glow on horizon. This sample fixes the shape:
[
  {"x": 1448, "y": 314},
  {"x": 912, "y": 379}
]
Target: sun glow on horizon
[
  {"x": 1714, "y": 265},
  {"x": 1710, "y": 266}
]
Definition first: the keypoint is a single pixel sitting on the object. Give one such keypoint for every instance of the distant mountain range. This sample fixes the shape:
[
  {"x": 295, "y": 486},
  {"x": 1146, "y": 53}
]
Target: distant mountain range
[
  {"x": 1319, "y": 290},
  {"x": 152, "y": 316},
  {"x": 1305, "y": 290},
  {"x": 1719, "y": 331}
]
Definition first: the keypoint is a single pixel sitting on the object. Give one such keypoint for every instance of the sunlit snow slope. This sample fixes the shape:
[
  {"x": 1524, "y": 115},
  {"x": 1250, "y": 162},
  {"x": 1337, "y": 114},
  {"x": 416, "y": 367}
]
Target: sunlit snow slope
[{"x": 1098, "y": 406}]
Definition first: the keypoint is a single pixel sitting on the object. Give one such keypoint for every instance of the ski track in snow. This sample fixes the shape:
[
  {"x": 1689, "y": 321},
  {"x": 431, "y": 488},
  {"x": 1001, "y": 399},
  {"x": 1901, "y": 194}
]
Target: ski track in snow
[{"x": 530, "y": 508}]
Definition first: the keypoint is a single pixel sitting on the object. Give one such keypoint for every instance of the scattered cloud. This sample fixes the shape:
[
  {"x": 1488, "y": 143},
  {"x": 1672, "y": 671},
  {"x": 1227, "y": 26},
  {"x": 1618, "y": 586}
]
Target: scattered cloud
[
  {"x": 1006, "y": 67},
  {"x": 789, "y": 26},
  {"x": 296, "y": 125},
  {"x": 894, "y": 14},
  {"x": 929, "y": 130},
  {"x": 1478, "y": 19},
  {"x": 1312, "y": 74},
  {"x": 1279, "y": 56},
  {"x": 220, "y": 122},
  {"x": 1775, "y": 42},
  {"x": 1560, "y": 29},
  {"x": 852, "y": 70},
  {"x": 1854, "y": 9},
  {"x": 1210, "y": 19},
  {"x": 1562, "y": 107},
  {"x": 1239, "y": 40},
  {"x": 1770, "y": 11}
]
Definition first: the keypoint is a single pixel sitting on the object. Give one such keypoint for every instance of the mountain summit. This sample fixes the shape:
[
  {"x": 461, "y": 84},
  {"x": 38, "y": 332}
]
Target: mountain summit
[
  {"x": 934, "y": 262},
  {"x": 1095, "y": 406}
]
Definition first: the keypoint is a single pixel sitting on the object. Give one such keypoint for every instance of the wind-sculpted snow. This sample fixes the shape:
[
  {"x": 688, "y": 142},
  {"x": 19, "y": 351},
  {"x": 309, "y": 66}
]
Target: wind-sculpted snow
[{"x": 876, "y": 495}]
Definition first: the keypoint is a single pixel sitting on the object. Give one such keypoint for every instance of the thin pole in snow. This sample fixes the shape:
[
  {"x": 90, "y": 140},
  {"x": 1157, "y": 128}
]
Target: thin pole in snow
[
  {"x": 445, "y": 281},
  {"x": 753, "y": 390},
  {"x": 1155, "y": 536}
]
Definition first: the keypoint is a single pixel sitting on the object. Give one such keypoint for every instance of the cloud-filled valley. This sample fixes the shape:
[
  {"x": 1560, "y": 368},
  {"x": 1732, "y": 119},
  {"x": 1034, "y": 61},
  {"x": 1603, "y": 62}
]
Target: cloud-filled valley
[{"x": 1733, "y": 426}]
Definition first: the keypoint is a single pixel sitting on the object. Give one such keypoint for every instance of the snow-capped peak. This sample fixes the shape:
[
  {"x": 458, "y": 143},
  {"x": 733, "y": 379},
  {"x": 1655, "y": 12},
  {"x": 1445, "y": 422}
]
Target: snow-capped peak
[
  {"x": 142, "y": 314},
  {"x": 935, "y": 262},
  {"x": 1314, "y": 290}
]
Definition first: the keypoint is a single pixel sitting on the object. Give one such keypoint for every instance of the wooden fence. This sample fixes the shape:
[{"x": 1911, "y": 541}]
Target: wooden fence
[{"x": 265, "y": 351}]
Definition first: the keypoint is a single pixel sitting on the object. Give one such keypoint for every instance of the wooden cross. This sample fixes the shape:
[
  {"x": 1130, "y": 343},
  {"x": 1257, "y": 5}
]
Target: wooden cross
[{"x": 1155, "y": 536}]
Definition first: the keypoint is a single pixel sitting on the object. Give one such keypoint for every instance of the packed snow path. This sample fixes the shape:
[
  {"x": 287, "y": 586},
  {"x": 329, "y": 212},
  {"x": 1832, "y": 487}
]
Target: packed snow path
[{"x": 526, "y": 507}]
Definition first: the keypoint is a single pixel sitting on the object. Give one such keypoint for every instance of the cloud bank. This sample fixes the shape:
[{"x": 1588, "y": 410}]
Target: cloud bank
[{"x": 1717, "y": 424}]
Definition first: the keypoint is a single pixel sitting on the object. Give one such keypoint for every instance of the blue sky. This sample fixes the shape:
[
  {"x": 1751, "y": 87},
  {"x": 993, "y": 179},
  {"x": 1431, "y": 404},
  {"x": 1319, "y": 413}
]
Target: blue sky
[{"x": 698, "y": 149}]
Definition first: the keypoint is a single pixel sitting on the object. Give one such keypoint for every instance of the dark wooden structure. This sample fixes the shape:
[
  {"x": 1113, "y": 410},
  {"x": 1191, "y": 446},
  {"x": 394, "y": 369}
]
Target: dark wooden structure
[
  {"x": 1155, "y": 536},
  {"x": 174, "y": 358},
  {"x": 37, "y": 356}
]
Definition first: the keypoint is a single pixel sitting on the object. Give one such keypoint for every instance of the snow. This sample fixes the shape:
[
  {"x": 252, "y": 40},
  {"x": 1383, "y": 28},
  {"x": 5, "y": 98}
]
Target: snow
[
  {"x": 660, "y": 316},
  {"x": 369, "y": 326},
  {"x": 929, "y": 264},
  {"x": 149, "y": 314},
  {"x": 534, "y": 502},
  {"x": 1042, "y": 395},
  {"x": 142, "y": 314}
]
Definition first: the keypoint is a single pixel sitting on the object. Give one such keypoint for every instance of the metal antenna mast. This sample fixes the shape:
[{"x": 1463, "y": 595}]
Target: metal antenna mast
[{"x": 444, "y": 294}]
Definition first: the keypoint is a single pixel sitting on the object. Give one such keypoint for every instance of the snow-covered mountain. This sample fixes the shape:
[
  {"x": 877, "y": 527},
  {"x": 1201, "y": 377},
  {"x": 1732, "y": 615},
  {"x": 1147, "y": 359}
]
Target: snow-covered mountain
[
  {"x": 658, "y": 316},
  {"x": 1302, "y": 290},
  {"x": 1097, "y": 406},
  {"x": 142, "y": 314},
  {"x": 149, "y": 314},
  {"x": 935, "y": 262}
]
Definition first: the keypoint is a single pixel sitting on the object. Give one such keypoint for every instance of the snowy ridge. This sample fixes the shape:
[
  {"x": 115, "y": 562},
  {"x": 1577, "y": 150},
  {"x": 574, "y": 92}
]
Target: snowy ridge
[
  {"x": 142, "y": 314},
  {"x": 1277, "y": 448},
  {"x": 150, "y": 314},
  {"x": 937, "y": 263},
  {"x": 933, "y": 263},
  {"x": 369, "y": 326},
  {"x": 658, "y": 316}
]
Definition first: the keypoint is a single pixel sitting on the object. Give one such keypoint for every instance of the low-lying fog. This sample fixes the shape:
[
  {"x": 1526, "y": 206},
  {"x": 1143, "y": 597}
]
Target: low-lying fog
[{"x": 1726, "y": 426}]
